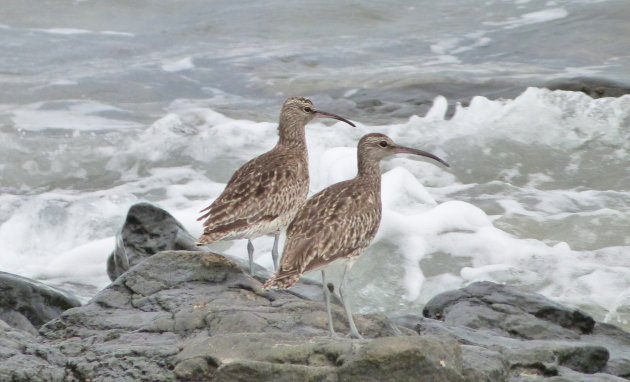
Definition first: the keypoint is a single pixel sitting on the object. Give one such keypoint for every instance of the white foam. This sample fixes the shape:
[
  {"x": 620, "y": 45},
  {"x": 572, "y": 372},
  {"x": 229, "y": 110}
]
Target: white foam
[
  {"x": 350, "y": 93},
  {"x": 117, "y": 33},
  {"x": 444, "y": 46},
  {"x": 438, "y": 110},
  {"x": 78, "y": 115},
  {"x": 537, "y": 17},
  {"x": 78, "y": 31},
  {"x": 179, "y": 65},
  {"x": 63, "y": 82},
  {"x": 64, "y": 31},
  {"x": 456, "y": 45},
  {"x": 61, "y": 237},
  {"x": 434, "y": 234}
]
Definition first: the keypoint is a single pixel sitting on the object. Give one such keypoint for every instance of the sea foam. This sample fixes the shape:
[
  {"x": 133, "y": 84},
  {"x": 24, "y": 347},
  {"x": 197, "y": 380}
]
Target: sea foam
[{"x": 509, "y": 210}]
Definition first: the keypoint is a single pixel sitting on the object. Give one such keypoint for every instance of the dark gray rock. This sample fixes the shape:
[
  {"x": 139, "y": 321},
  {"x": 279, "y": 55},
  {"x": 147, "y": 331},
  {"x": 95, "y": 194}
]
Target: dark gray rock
[
  {"x": 284, "y": 357},
  {"x": 617, "y": 342},
  {"x": 481, "y": 364},
  {"x": 147, "y": 230},
  {"x": 594, "y": 87},
  {"x": 533, "y": 335},
  {"x": 509, "y": 312},
  {"x": 23, "y": 358},
  {"x": 197, "y": 316},
  {"x": 27, "y": 304}
]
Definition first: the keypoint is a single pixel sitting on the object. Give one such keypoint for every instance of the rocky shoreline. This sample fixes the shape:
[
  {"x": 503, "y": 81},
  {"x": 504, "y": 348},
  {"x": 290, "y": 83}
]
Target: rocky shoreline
[{"x": 198, "y": 316}]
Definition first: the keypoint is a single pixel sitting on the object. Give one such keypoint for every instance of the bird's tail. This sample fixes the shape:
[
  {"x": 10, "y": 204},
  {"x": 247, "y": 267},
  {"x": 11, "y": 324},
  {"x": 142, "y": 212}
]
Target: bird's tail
[
  {"x": 281, "y": 281},
  {"x": 204, "y": 240}
]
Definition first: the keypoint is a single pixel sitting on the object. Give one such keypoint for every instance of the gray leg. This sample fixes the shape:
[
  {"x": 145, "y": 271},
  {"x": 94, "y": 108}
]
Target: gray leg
[
  {"x": 349, "y": 265},
  {"x": 331, "y": 329},
  {"x": 250, "y": 252},
  {"x": 274, "y": 250},
  {"x": 354, "y": 333}
]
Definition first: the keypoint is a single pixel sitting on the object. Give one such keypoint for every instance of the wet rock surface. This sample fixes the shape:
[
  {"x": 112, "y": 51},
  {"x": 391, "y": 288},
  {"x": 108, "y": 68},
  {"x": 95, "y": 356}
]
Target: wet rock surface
[
  {"x": 27, "y": 304},
  {"x": 594, "y": 87},
  {"x": 25, "y": 357},
  {"x": 193, "y": 316},
  {"x": 198, "y": 316},
  {"x": 531, "y": 336},
  {"x": 182, "y": 315},
  {"x": 147, "y": 230}
]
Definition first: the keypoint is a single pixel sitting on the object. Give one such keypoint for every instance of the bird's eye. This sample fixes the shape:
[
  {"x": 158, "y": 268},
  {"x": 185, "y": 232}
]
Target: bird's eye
[
  {"x": 383, "y": 143},
  {"x": 308, "y": 109}
]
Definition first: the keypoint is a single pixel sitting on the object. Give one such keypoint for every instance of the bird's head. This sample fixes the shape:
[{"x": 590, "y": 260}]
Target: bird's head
[
  {"x": 300, "y": 111},
  {"x": 377, "y": 146}
]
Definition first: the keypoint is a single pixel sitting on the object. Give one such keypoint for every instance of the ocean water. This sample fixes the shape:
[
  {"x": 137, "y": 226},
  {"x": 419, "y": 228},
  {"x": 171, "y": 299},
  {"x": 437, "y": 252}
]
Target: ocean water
[{"x": 104, "y": 104}]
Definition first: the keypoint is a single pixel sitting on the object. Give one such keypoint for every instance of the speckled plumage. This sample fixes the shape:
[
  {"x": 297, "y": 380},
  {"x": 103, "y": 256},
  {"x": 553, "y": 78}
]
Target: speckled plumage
[
  {"x": 339, "y": 222},
  {"x": 263, "y": 196}
]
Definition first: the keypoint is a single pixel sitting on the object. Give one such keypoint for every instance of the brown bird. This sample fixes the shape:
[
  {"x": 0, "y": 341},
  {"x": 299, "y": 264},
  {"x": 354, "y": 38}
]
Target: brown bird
[
  {"x": 263, "y": 196},
  {"x": 339, "y": 223}
]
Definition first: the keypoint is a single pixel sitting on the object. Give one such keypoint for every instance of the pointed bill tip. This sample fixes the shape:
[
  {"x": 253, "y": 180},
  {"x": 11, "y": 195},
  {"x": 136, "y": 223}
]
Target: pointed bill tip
[
  {"x": 409, "y": 150},
  {"x": 445, "y": 163}
]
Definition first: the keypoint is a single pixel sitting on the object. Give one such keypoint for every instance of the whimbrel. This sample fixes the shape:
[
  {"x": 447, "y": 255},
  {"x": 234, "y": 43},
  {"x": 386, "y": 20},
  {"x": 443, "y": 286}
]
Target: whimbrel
[
  {"x": 339, "y": 222},
  {"x": 263, "y": 196}
]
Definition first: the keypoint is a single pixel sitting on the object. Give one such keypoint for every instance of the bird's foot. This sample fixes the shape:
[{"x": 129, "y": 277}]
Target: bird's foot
[
  {"x": 355, "y": 336},
  {"x": 334, "y": 335}
]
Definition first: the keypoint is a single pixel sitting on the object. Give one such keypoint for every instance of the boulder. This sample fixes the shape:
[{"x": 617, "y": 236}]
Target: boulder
[
  {"x": 199, "y": 316},
  {"x": 25, "y": 358},
  {"x": 284, "y": 357},
  {"x": 27, "y": 304},
  {"x": 509, "y": 312},
  {"x": 594, "y": 87},
  {"x": 530, "y": 336},
  {"x": 147, "y": 230},
  {"x": 194, "y": 315}
]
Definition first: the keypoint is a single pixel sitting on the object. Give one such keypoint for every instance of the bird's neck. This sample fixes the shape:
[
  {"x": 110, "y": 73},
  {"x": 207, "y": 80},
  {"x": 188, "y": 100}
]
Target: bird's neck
[
  {"x": 370, "y": 169},
  {"x": 291, "y": 134},
  {"x": 368, "y": 180}
]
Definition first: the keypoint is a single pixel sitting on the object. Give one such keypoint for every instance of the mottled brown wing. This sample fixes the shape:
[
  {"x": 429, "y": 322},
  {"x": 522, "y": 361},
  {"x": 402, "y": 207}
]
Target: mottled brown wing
[
  {"x": 339, "y": 221},
  {"x": 263, "y": 189},
  {"x": 252, "y": 166}
]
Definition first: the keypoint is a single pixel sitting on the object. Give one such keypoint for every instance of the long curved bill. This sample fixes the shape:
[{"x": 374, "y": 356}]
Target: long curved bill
[
  {"x": 409, "y": 150},
  {"x": 323, "y": 114}
]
